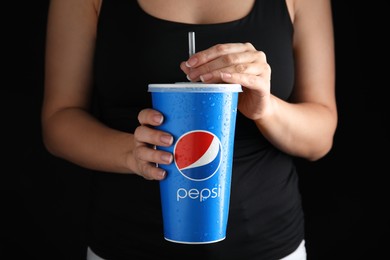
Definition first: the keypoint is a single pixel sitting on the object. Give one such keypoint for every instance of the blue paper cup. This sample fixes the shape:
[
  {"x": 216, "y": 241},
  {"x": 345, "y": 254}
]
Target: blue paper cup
[{"x": 195, "y": 195}]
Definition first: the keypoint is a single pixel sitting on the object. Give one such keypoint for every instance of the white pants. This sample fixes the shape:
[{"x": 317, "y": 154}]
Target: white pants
[
  {"x": 298, "y": 254},
  {"x": 92, "y": 256}
]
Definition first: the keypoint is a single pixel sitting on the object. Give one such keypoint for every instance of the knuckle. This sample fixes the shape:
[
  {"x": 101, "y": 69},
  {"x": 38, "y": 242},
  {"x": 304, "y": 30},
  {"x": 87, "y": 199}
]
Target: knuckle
[
  {"x": 252, "y": 81},
  {"x": 249, "y": 45},
  {"x": 155, "y": 156},
  {"x": 267, "y": 68},
  {"x": 205, "y": 69},
  {"x": 262, "y": 55},
  {"x": 137, "y": 132},
  {"x": 202, "y": 56},
  {"x": 221, "y": 47},
  {"x": 229, "y": 59},
  {"x": 240, "y": 68},
  {"x": 145, "y": 171},
  {"x": 137, "y": 153}
]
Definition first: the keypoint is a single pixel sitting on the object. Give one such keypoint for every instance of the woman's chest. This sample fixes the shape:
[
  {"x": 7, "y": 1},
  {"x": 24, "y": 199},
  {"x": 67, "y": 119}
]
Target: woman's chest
[{"x": 197, "y": 11}]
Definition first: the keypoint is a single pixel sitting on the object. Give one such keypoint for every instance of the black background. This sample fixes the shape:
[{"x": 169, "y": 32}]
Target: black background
[{"x": 345, "y": 194}]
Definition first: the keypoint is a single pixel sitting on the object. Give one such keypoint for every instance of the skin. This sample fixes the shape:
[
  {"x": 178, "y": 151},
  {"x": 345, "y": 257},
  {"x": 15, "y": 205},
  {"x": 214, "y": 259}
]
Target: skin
[{"x": 303, "y": 127}]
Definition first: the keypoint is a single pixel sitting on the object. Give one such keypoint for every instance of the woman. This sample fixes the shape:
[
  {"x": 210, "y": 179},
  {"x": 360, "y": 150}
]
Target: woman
[{"x": 101, "y": 56}]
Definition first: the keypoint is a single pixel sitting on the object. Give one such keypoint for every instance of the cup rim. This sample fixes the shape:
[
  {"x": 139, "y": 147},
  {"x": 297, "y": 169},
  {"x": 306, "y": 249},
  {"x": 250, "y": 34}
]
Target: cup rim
[{"x": 194, "y": 87}]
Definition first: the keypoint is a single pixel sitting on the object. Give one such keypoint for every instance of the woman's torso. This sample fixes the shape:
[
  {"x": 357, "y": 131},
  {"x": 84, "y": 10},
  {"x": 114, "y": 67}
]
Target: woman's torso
[{"x": 135, "y": 48}]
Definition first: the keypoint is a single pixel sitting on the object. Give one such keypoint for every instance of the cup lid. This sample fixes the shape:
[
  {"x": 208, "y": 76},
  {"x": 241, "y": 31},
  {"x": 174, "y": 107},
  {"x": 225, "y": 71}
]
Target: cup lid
[{"x": 194, "y": 87}]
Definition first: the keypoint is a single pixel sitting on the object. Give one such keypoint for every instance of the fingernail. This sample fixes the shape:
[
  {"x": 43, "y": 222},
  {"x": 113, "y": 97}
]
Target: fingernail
[
  {"x": 188, "y": 77},
  {"x": 226, "y": 75},
  {"x": 162, "y": 174},
  {"x": 158, "y": 119},
  {"x": 166, "y": 139},
  {"x": 191, "y": 62},
  {"x": 167, "y": 158},
  {"x": 206, "y": 77}
]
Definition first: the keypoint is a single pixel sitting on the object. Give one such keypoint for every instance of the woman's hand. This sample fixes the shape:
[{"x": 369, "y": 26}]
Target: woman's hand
[
  {"x": 146, "y": 139},
  {"x": 238, "y": 63}
]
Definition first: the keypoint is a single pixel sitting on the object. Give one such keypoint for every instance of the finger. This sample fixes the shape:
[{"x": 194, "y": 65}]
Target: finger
[
  {"x": 249, "y": 81},
  {"x": 215, "y": 51},
  {"x": 245, "y": 62},
  {"x": 152, "y": 172},
  {"x": 151, "y": 136},
  {"x": 184, "y": 68},
  {"x": 152, "y": 155},
  {"x": 215, "y": 76},
  {"x": 148, "y": 160},
  {"x": 150, "y": 116},
  {"x": 242, "y": 72}
]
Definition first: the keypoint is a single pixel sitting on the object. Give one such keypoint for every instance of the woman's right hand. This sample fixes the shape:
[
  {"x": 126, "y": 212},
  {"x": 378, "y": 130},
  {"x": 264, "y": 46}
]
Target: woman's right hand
[{"x": 146, "y": 157}]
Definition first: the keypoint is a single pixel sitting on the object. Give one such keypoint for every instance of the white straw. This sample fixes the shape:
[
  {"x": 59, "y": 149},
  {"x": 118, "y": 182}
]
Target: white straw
[{"x": 191, "y": 43}]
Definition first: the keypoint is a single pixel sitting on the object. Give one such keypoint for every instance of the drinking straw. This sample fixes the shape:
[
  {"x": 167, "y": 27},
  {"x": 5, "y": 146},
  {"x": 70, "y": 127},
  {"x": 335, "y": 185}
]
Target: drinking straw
[{"x": 191, "y": 43}]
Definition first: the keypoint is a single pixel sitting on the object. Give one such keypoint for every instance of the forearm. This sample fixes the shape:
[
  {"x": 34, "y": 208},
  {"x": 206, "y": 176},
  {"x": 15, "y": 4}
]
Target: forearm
[
  {"x": 74, "y": 135},
  {"x": 304, "y": 130}
]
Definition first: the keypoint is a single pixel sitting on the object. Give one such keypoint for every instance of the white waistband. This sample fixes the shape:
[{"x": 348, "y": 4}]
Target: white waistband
[{"x": 298, "y": 254}]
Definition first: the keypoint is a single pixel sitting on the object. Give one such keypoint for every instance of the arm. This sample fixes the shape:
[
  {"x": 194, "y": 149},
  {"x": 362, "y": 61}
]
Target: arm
[
  {"x": 69, "y": 131},
  {"x": 305, "y": 125}
]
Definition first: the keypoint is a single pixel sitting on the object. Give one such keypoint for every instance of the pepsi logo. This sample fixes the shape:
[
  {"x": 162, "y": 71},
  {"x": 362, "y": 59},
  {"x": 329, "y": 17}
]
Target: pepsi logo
[{"x": 198, "y": 155}]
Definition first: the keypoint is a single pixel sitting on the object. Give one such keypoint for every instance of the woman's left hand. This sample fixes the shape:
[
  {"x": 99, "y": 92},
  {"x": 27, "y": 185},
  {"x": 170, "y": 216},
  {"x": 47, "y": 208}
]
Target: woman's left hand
[{"x": 238, "y": 63}]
